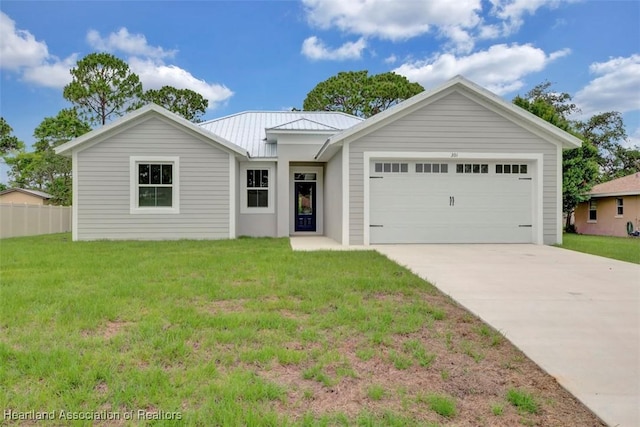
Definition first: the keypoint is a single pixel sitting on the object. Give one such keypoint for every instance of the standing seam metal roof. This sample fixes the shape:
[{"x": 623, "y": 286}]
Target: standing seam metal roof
[
  {"x": 248, "y": 129},
  {"x": 304, "y": 124}
]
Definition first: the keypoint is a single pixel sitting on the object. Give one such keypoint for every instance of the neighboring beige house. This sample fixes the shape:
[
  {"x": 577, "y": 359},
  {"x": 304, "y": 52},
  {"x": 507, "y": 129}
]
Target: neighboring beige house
[
  {"x": 456, "y": 164},
  {"x": 611, "y": 207},
  {"x": 24, "y": 196}
]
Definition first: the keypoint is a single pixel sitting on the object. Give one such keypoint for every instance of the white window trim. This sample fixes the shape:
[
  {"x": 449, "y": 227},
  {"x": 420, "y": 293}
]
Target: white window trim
[
  {"x": 134, "y": 209},
  {"x": 244, "y": 208}
]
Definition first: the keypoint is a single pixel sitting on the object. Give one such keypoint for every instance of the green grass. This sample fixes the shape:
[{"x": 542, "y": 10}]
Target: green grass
[
  {"x": 440, "y": 404},
  {"x": 400, "y": 361},
  {"x": 471, "y": 350},
  {"x": 497, "y": 409},
  {"x": 198, "y": 327},
  {"x": 418, "y": 351},
  {"x": 376, "y": 392},
  {"x": 523, "y": 400},
  {"x": 620, "y": 248}
]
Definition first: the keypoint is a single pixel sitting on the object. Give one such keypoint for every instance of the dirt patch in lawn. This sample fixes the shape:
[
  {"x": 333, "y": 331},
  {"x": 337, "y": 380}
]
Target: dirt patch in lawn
[
  {"x": 221, "y": 306},
  {"x": 458, "y": 357},
  {"x": 108, "y": 331}
]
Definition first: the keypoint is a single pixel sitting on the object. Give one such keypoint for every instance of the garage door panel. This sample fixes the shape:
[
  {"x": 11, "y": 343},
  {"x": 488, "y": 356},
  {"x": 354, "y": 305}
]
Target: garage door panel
[
  {"x": 450, "y": 207},
  {"x": 469, "y": 233}
]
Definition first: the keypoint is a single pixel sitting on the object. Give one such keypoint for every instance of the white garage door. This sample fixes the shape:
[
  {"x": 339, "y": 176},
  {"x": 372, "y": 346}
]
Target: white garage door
[{"x": 434, "y": 201}]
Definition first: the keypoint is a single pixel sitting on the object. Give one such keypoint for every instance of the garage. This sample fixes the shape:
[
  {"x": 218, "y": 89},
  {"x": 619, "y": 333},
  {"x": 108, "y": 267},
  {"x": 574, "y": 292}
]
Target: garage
[{"x": 451, "y": 201}]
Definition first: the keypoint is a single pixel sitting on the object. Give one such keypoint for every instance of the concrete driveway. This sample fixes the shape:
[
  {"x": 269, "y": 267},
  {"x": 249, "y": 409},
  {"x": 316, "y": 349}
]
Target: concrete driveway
[{"x": 575, "y": 315}]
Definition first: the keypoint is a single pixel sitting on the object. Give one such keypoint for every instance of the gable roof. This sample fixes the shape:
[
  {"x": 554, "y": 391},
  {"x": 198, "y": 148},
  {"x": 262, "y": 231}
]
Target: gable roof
[
  {"x": 626, "y": 186},
  {"x": 34, "y": 193},
  {"x": 492, "y": 101},
  {"x": 140, "y": 114},
  {"x": 249, "y": 129}
]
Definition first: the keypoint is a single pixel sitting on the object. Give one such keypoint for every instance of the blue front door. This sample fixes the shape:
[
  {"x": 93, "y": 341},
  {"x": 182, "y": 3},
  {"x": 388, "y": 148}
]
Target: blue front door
[{"x": 305, "y": 206}]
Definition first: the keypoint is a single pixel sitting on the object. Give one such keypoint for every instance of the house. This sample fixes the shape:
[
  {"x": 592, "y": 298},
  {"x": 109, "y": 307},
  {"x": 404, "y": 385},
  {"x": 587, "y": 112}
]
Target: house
[
  {"x": 456, "y": 164},
  {"x": 24, "y": 196},
  {"x": 611, "y": 207}
]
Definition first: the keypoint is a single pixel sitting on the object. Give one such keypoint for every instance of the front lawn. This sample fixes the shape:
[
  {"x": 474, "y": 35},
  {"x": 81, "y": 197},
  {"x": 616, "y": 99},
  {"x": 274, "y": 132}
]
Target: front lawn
[
  {"x": 621, "y": 248},
  {"x": 247, "y": 332}
]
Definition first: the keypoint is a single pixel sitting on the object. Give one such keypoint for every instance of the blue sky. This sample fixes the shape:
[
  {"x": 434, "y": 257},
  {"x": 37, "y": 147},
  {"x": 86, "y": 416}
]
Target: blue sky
[{"x": 267, "y": 55}]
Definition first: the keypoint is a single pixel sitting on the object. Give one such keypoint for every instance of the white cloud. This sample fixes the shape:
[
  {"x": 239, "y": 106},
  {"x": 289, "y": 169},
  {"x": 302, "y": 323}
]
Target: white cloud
[
  {"x": 155, "y": 74},
  {"x": 21, "y": 52},
  {"x": 130, "y": 44},
  {"x": 391, "y": 59},
  {"x": 314, "y": 48},
  {"x": 511, "y": 12},
  {"x": 391, "y": 19},
  {"x": 616, "y": 87},
  {"x": 54, "y": 74},
  {"x": 501, "y": 68},
  {"x": 460, "y": 22},
  {"x": 19, "y": 48},
  {"x": 460, "y": 40}
]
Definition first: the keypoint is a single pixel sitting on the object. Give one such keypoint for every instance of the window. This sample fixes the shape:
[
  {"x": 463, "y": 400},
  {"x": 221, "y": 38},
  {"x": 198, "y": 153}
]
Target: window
[
  {"x": 472, "y": 168},
  {"x": 154, "y": 185},
  {"x": 432, "y": 167},
  {"x": 593, "y": 212},
  {"x": 511, "y": 169},
  {"x": 257, "y": 188},
  {"x": 392, "y": 167},
  {"x": 304, "y": 176},
  {"x": 619, "y": 206}
]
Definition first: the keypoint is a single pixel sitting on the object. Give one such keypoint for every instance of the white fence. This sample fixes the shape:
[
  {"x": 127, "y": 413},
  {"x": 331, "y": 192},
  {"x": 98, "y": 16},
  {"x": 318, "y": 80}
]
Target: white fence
[{"x": 20, "y": 219}]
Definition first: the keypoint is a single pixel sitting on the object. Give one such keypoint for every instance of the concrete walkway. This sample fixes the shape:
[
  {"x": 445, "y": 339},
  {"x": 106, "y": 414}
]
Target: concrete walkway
[{"x": 576, "y": 315}]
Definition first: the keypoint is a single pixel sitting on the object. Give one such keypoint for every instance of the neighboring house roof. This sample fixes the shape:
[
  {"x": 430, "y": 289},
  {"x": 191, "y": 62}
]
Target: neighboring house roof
[
  {"x": 490, "y": 100},
  {"x": 140, "y": 114},
  {"x": 626, "y": 186},
  {"x": 249, "y": 129},
  {"x": 35, "y": 193}
]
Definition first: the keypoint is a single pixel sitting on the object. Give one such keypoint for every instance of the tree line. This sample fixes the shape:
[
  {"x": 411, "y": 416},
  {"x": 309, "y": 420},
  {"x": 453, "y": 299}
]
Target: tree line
[{"x": 103, "y": 87}]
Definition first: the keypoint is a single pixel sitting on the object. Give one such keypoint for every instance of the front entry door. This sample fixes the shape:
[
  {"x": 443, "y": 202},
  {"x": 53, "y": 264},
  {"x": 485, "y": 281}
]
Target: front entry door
[{"x": 305, "y": 206}]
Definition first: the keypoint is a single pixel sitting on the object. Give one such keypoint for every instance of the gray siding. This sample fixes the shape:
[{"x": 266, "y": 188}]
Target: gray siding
[
  {"x": 333, "y": 198},
  {"x": 104, "y": 185},
  {"x": 255, "y": 224},
  {"x": 458, "y": 124}
]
